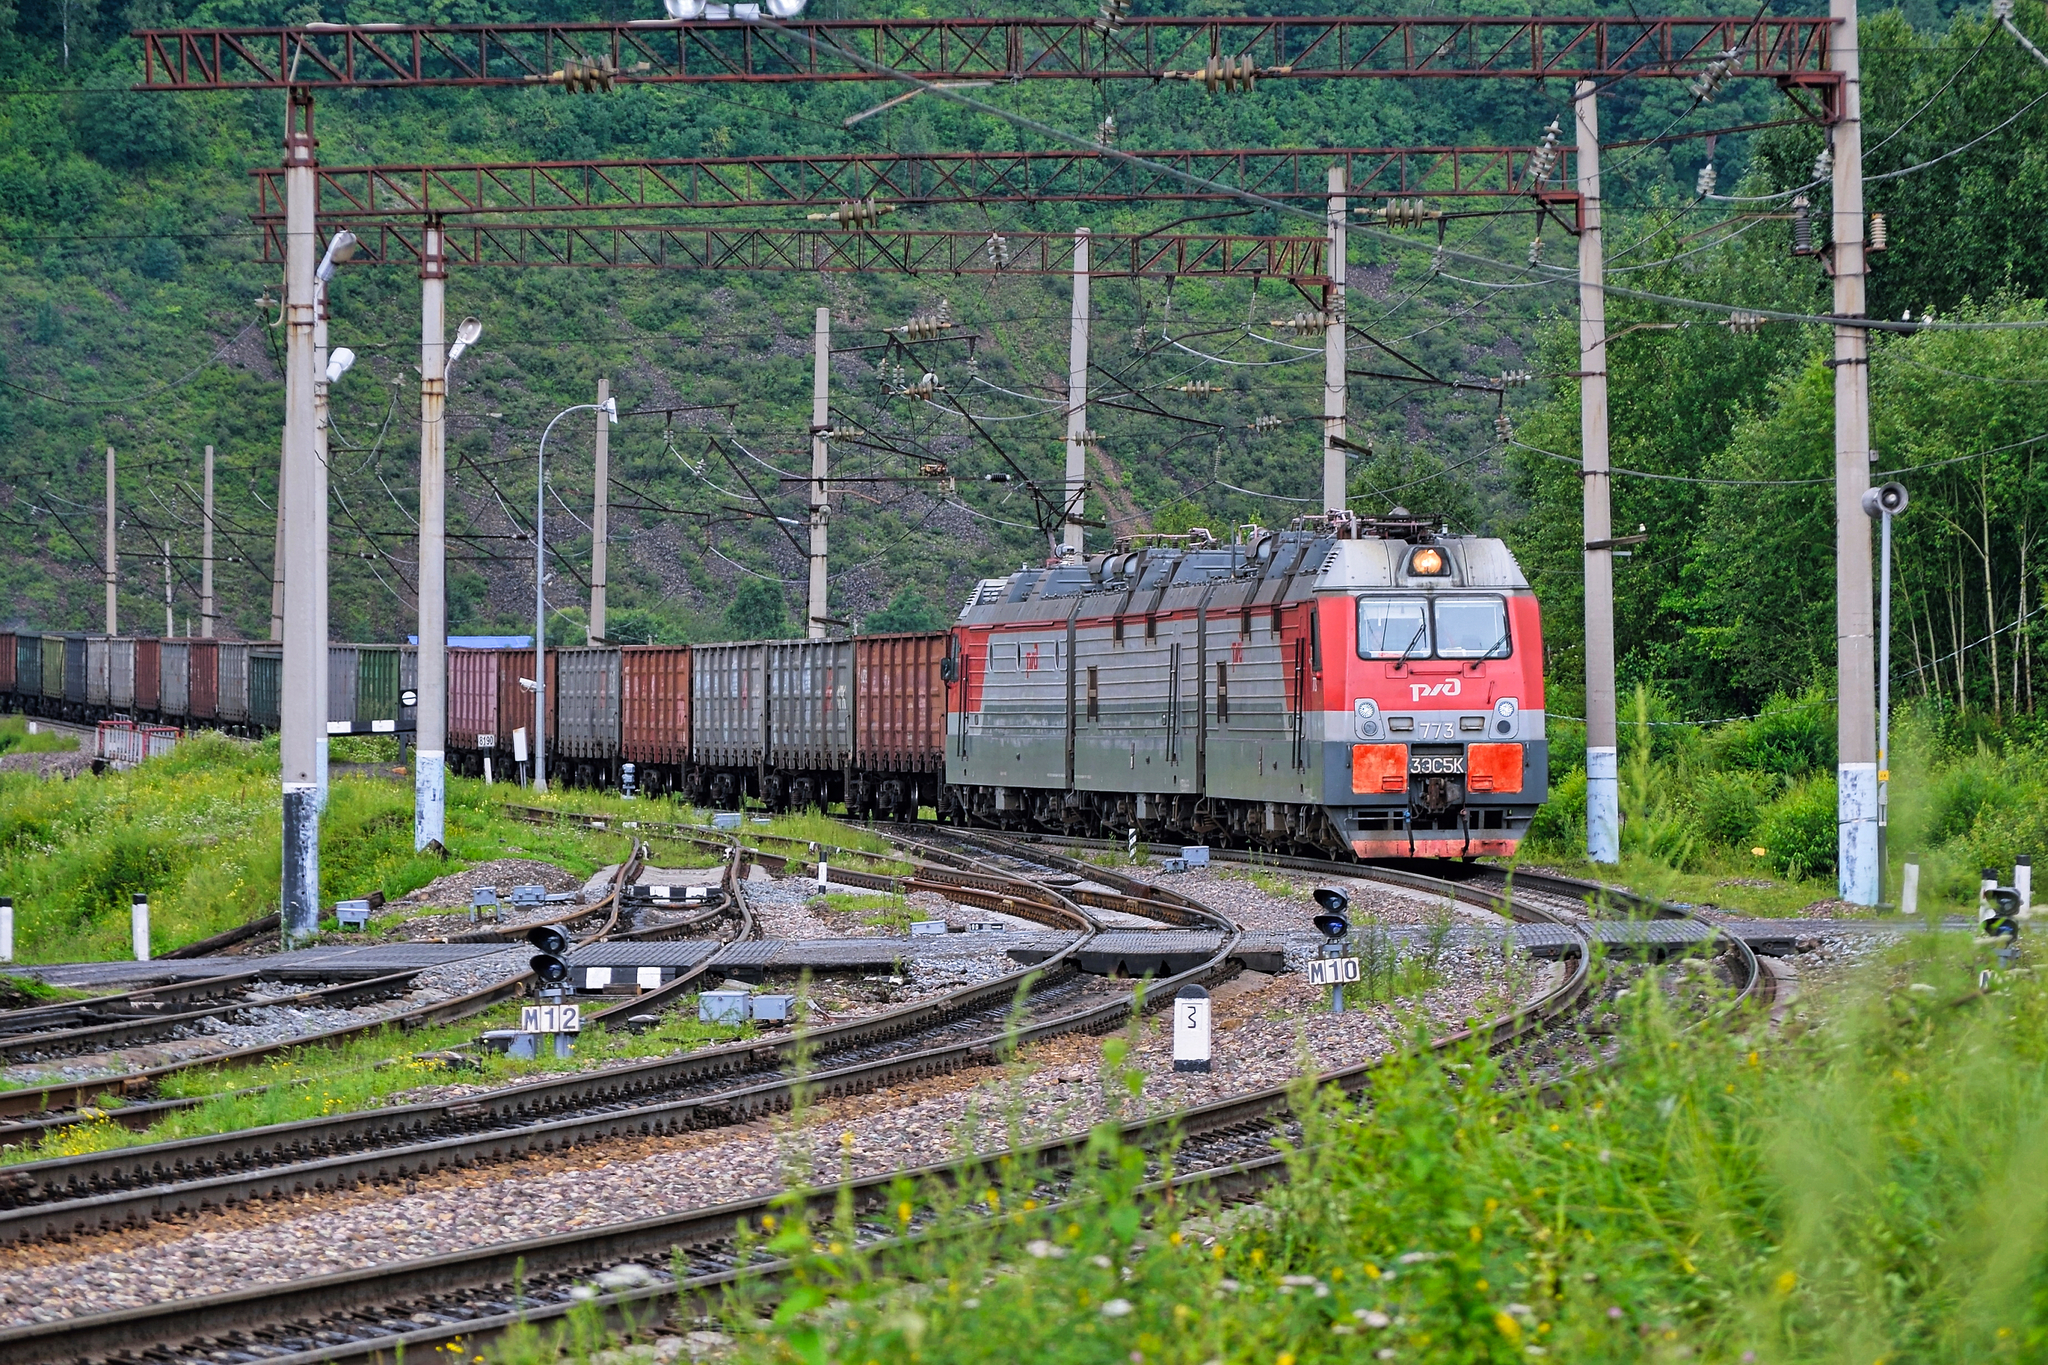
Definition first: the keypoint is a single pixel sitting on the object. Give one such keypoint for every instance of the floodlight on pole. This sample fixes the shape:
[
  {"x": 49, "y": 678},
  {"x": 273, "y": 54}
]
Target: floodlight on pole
[
  {"x": 340, "y": 247},
  {"x": 338, "y": 363},
  {"x": 465, "y": 337}
]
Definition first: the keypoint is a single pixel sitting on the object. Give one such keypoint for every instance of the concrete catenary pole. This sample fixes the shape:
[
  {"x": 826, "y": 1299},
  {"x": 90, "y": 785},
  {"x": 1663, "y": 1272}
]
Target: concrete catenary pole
[
  {"x": 302, "y": 724},
  {"x": 1856, "y": 672},
  {"x": 319, "y": 561},
  {"x": 207, "y": 611},
  {"x": 1335, "y": 494},
  {"x": 169, "y": 622},
  {"x": 821, "y": 454},
  {"x": 1077, "y": 403},
  {"x": 1603, "y": 805},
  {"x": 600, "y": 516},
  {"x": 277, "y": 558},
  {"x": 429, "y": 772},
  {"x": 113, "y": 572},
  {"x": 537, "y": 738}
]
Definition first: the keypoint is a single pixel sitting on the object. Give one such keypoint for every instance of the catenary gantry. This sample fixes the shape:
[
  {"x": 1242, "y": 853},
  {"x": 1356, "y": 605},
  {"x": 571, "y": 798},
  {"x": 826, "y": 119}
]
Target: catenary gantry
[{"x": 1792, "y": 50}]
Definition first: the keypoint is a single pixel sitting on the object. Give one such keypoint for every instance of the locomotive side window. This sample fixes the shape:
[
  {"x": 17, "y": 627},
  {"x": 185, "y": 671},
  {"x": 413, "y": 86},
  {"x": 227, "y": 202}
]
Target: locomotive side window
[
  {"x": 1392, "y": 628},
  {"x": 1094, "y": 696},
  {"x": 1471, "y": 628}
]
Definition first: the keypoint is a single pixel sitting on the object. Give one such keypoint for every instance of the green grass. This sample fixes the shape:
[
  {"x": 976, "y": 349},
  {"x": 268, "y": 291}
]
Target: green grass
[
  {"x": 1706, "y": 811},
  {"x": 360, "y": 1073},
  {"x": 876, "y": 910},
  {"x": 197, "y": 832},
  {"x": 15, "y": 739},
  {"x": 1870, "y": 1184}
]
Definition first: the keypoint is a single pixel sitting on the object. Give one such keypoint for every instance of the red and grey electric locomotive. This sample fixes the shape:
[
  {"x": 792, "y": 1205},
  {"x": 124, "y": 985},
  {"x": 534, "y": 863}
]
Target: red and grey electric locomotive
[{"x": 1350, "y": 686}]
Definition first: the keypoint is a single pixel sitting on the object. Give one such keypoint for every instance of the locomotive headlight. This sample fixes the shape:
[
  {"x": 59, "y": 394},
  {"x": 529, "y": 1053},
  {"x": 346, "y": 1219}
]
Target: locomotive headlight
[
  {"x": 1504, "y": 715},
  {"x": 1366, "y": 718}
]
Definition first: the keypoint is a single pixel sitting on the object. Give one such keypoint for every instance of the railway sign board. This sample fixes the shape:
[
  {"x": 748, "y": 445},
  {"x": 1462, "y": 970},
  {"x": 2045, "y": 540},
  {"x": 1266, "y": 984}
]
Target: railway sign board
[
  {"x": 551, "y": 1019},
  {"x": 1191, "y": 1029},
  {"x": 1332, "y": 971}
]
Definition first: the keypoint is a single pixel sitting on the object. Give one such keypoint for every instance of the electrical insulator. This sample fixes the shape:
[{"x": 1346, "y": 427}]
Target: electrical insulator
[
  {"x": 1745, "y": 324},
  {"x": 1503, "y": 429},
  {"x": 1878, "y": 239},
  {"x": 856, "y": 213},
  {"x": 1545, "y": 159},
  {"x": 1515, "y": 379},
  {"x": 1267, "y": 423},
  {"x": 1114, "y": 12},
  {"x": 578, "y": 76},
  {"x": 1201, "y": 388},
  {"x": 934, "y": 470},
  {"x": 1824, "y": 164},
  {"x": 923, "y": 388},
  {"x": 1802, "y": 225},
  {"x": 925, "y": 327},
  {"x": 1437, "y": 259},
  {"x": 1305, "y": 324},
  {"x": 1535, "y": 251},
  {"x": 1709, "y": 81},
  {"x": 1226, "y": 73},
  {"x": 998, "y": 248},
  {"x": 1404, "y": 213},
  {"x": 1705, "y": 186},
  {"x": 1105, "y": 131}
]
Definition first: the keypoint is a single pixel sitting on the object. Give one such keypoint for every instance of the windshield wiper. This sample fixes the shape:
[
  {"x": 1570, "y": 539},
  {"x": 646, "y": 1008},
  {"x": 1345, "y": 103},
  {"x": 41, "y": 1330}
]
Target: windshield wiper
[{"x": 1421, "y": 624}]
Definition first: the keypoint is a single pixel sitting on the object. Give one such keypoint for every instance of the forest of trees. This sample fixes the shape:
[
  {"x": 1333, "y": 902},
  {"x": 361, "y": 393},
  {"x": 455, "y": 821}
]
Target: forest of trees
[{"x": 138, "y": 313}]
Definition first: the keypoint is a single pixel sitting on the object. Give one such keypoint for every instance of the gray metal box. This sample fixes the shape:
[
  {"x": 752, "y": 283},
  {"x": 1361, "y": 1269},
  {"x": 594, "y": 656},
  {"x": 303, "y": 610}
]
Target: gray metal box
[
  {"x": 774, "y": 1009},
  {"x": 1196, "y": 855},
  {"x": 927, "y": 927},
  {"x": 723, "y": 1007},
  {"x": 352, "y": 914}
]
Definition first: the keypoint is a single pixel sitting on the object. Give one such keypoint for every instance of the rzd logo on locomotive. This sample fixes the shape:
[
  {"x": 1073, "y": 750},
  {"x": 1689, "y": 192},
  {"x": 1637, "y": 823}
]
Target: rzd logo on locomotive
[{"x": 1449, "y": 687}]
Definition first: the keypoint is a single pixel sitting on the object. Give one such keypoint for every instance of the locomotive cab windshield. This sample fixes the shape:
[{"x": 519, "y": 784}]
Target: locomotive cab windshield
[{"x": 1414, "y": 627}]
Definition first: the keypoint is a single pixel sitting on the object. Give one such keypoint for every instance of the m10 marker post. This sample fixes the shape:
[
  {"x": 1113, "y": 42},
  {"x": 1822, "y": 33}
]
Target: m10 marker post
[
  {"x": 1191, "y": 1029},
  {"x": 1328, "y": 968}
]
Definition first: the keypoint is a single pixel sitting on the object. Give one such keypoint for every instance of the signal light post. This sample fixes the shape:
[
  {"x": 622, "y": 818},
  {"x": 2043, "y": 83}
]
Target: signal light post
[{"x": 551, "y": 970}]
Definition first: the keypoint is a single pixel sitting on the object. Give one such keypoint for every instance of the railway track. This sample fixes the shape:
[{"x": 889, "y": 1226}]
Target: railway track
[
  {"x": 31, "y": 1106},
  {"x": 713, "y": 1087},
  {"x": 1220, "y": 1149}
]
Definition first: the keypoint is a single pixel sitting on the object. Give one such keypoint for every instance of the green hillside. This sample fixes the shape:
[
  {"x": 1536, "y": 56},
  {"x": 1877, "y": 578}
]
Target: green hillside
[{"x": 132, "y": 317}]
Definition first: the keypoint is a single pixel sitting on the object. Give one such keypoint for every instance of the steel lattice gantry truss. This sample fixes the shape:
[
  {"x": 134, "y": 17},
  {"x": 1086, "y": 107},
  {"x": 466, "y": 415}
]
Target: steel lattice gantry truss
[
  {"x": 1299, "y": 260},
  {"x": 347, "y": 193},
  {"x": 1790, "y": 50}
]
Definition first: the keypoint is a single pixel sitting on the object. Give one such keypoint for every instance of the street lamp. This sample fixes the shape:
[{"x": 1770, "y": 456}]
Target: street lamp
[
  {"x": 465, "y": 337},
  {"x": 610, "y": 406},
  {"x": 1884, "y": 504}
]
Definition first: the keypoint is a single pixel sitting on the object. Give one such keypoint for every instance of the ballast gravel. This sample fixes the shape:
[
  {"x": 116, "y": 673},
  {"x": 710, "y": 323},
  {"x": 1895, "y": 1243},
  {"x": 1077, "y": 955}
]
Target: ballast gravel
[{"x": 1268, "y": 1029}]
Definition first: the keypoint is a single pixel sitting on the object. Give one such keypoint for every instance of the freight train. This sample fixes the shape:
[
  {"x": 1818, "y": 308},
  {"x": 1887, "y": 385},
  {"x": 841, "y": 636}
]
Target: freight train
[{"x": 1368, "y": 687}]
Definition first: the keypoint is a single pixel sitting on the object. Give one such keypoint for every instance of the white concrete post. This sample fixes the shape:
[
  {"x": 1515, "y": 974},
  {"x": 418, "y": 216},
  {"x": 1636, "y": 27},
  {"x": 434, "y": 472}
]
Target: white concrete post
[
  {"x": 821, "y": 454},
  {"x": 1075, "y": 507},
  {"x": 430, "y": 776},
  {"x": 1603, "y": 796},
  {"x": 1336, "y": 496},
  {"x": 600, "y": 517},
  {"x": 1856, "y": 735},
  {"x": 302, "y": 721},
  {"x": 208, "y": 612}
]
